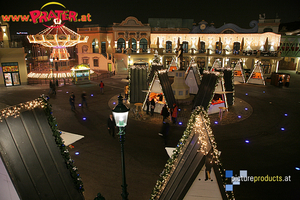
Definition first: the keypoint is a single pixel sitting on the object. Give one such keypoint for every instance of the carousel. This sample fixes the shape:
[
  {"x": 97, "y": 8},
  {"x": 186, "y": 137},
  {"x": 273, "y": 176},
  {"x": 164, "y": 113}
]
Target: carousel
[{"x": 58, "y": 38}]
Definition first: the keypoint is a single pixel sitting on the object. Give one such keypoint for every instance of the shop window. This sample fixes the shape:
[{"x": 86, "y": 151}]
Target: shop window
[{"x": 96, "y": 62}]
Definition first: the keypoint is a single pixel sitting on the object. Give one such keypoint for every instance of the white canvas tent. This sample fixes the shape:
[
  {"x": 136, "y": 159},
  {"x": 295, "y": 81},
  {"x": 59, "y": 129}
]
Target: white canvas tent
[
  {"x": 217, "y": 64},
  {"x": 256, "y": 76},
  {"x": 219, "y": 99},
  {"x": 160, "y": 85},
  {"x": 239, "y": 73},
  {"x": 192, "y": 77},
  {"x": 173, "y": 65}
]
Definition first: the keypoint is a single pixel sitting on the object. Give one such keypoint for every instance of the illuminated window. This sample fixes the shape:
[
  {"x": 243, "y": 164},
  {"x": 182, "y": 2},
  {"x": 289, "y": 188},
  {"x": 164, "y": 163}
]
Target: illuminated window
[
  {"x": 120, "y": 45},
  {"x": 185, "y": 47},
  {"x": 236, "y": 46},
  {"x": 202, "y": 47},
  {"x": 143, "y": 45},
  {"x": 133, "y": 45},
  {"x": 217, "y": 46},
  {"x": 169, "y": 47},
  {"x": 95, "y": 46},
  {"x": 103, "y": 47}
]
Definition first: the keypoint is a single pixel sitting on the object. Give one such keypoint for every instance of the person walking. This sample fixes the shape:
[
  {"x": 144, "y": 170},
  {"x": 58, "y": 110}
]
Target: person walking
[
  {"x": 83, "y": 99},
  {"x": 111, "y": 124},
  {"x": 53, "y": 88},
  {"x": 152, "y": 103},
  {"x": 164, "y": 132},
  {"x": 50, "y": 87},
  {"x": 126, "y": 89},
  {"x": 101, "y": 85},
  {"x": 72, "y": 101},
  {"x": 147, "y": 106},
  {"x": 174, "y": 113},
  {"x": 164, "y": 112}
]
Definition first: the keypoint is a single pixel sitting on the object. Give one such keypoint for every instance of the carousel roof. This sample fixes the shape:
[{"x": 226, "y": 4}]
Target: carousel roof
[{"x": 57, "y": 35}]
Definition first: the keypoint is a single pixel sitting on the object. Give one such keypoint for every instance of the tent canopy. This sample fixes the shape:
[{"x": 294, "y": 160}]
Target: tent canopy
[{"x": 32, "y": 158}]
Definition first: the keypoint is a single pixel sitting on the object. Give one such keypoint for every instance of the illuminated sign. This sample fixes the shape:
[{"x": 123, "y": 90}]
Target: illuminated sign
[{"x": 39, "y": 16}]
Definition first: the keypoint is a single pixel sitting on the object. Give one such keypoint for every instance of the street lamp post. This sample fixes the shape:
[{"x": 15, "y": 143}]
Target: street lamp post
[{"x": 120, "y": 113}]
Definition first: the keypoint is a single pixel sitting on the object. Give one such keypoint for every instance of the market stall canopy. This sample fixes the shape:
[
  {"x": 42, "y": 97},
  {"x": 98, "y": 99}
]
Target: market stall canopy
[
  {"x": 161, "y": 84},
  {"x": 192, "y": 77},
  {"x": 137, "y": 83},
  {"x": 206, "y": 90},
  {"x": 239, "y": 74},
  {"x": 257, "y": 76},
  {"x": 32, "y": 157}
]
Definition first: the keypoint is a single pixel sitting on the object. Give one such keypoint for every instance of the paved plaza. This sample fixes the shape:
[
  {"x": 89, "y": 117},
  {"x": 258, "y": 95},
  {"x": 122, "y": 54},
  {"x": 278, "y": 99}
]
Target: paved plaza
[{"x": 266, "y": 116}]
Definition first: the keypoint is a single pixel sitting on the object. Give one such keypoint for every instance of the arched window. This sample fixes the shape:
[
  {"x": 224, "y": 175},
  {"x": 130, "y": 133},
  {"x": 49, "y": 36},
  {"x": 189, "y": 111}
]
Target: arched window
[
  {"x": 95, "y": 46},
  {"x": 120, "y": 45},
  {"x": 236, "y": 46},
  {"x": 133, "y": 45},
  {"x": 169, "y": 47},
  {"x": 185, "y": 47},
  {"x": 228, "y": 31},
  {"x": 143, "y": 44},
  {"x": 218, "y": 47},
  {"x": 268, "y": 30},
  {"x": 202, "y": 47},
  {"x": 103, "y": 47}
]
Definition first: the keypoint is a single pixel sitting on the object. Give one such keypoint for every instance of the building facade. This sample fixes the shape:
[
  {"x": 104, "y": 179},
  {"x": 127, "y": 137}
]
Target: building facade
[
  {"x": 132, "y": 42},
  {"x": 12, "y": 60}
]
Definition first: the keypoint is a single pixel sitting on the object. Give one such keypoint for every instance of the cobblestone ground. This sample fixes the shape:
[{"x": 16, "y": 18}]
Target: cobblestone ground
[{"x": 240, "y": 111}]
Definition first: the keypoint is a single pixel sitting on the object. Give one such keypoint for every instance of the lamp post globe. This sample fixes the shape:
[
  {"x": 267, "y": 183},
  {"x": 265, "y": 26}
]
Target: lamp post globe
[{"x": 120, "y": 113}]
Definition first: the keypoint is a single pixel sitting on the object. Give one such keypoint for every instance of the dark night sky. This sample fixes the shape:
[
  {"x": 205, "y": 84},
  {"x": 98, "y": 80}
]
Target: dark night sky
[{"x": 107, "y": 12}]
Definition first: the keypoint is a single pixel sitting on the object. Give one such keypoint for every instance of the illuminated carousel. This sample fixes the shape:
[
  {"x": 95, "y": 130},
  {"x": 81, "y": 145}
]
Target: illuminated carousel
[{"x": 58, "y": 37}]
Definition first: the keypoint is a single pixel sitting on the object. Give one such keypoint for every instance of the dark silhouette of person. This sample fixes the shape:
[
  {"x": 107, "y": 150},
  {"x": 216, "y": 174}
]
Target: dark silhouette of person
[
  {"x": 164, "y": 132},
  {"x": 152, "y": 103},
  {"x": 164, "y": 112},
  {"x": 111, "y": 124},
  {"x": 72, "y": 101}
]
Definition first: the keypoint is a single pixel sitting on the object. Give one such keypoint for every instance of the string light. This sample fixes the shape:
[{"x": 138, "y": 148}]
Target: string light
[
  {"x": 14, "y": 111},
  {"x": 198, "y": 123}
]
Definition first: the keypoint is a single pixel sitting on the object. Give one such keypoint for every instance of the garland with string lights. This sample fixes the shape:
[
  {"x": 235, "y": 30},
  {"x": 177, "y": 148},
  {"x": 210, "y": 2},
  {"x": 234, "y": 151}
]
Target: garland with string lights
[
  {"x": 170, "y": 165},
  {"x": 60, "y": 143}
]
